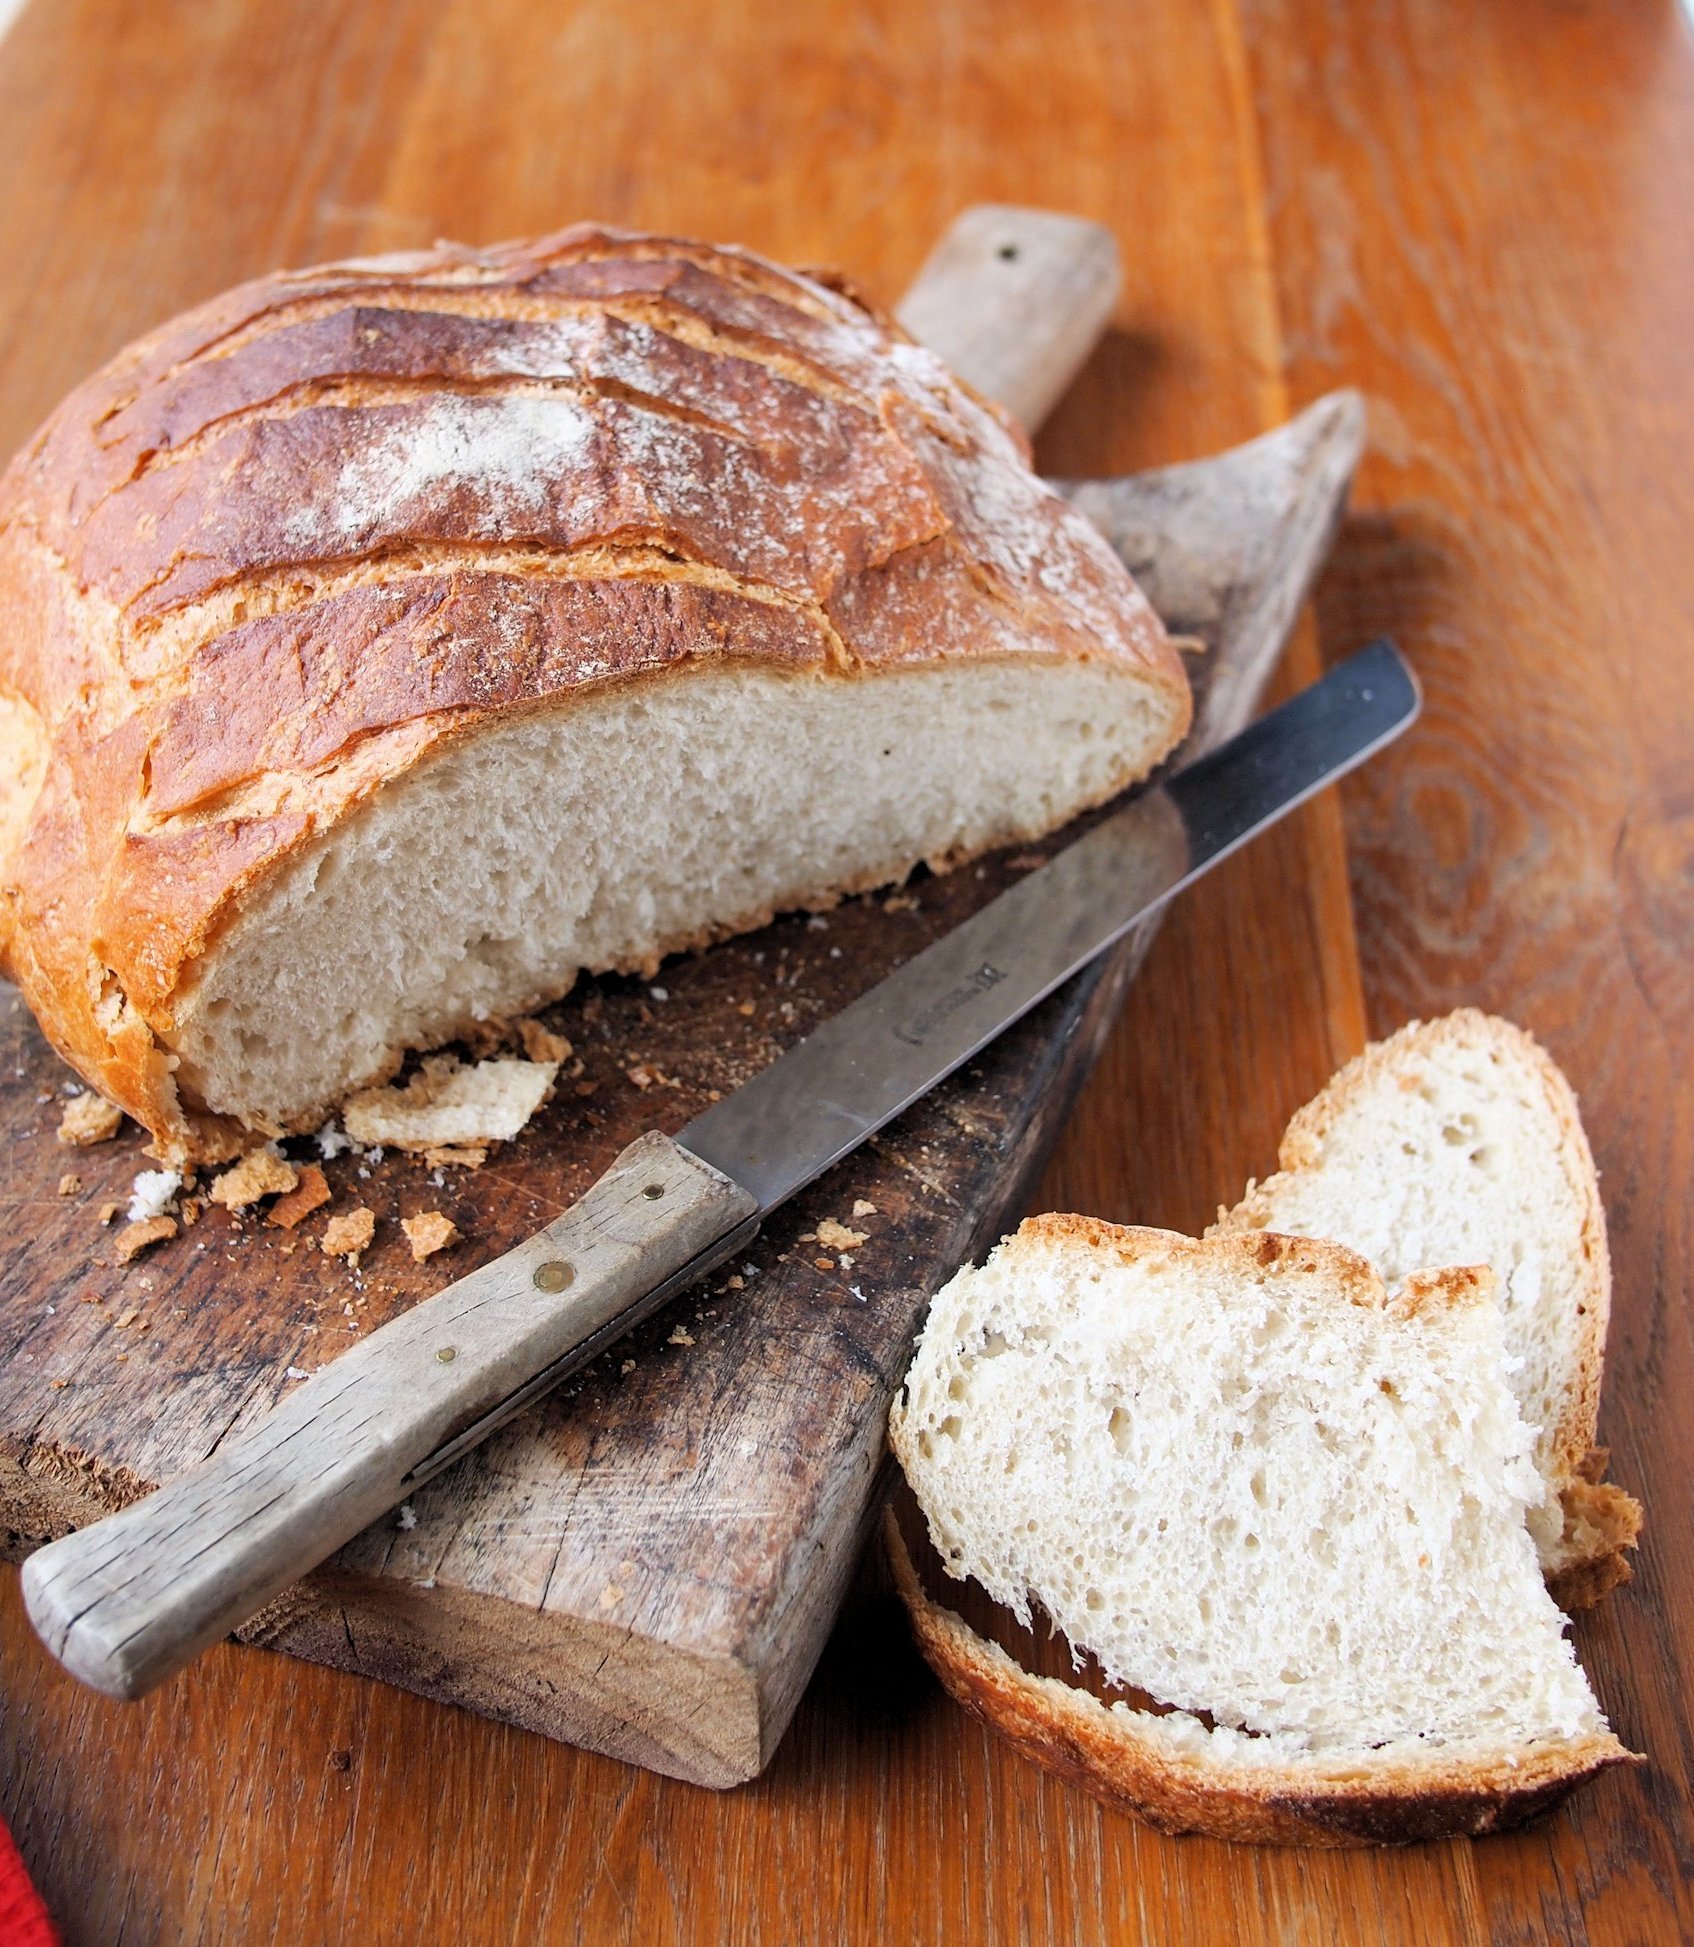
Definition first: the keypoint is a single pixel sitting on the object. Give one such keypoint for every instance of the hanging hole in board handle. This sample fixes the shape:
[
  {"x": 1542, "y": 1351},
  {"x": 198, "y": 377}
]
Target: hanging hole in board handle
[
  {"x": 1008, "y": 253},
  {"x": 654, "y": 1190}
]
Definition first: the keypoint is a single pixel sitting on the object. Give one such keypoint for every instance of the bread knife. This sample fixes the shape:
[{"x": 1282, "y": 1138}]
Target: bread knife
[{"x": 128, "y": 1600}]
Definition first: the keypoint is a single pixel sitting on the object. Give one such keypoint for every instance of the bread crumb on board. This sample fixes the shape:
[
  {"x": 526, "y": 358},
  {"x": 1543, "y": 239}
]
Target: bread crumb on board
[
  {"x": 137, "y": 1237},
  {"x": 262, "y": 1173},
  {"x": 89, "y": 1119},
  {"x": 456, "y": 1156},
  {"x": 152, "y": 1194},
  {"x": 447, "y": 1105},
  {"x": 863, "y": 1209},
  {"x": 837, "y": 1237},
  {"x": 309, "y": 1194},
  {"x": 428, "y": 1232},
  {"x": 108, "y": 1211},
  {"x": 542, "y": 1044},
  {"x": 69, "y": 1184},
  {"x": 349, "y": 1233}
]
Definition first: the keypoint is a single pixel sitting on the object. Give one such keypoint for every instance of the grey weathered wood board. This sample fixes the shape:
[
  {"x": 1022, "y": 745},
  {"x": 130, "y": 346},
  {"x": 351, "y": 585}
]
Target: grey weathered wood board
[{"x": 648, "y": 1563}]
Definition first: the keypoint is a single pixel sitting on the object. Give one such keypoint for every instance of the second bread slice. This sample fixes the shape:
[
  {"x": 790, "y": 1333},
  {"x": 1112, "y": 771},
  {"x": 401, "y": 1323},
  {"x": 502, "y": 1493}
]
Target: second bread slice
[{"x": 1457, "y": 1141}]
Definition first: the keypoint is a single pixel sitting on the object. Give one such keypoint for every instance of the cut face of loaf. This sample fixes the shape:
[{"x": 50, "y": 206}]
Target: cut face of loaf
[
  {"x": 1260, "y": 1489},
  {"x": 1458, "y": 1142},
  {"x": 609, "y": 833},
  {"x": 382, "y": 644}
]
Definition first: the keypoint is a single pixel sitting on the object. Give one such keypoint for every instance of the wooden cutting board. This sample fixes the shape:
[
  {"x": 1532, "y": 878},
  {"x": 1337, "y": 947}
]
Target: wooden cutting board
[{"x": 648, "y": 1563}]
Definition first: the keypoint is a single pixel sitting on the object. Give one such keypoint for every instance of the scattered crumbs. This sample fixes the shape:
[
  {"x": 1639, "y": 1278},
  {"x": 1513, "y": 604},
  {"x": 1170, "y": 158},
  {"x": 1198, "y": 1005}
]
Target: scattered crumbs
[
  {"x": 138, "y": 1237},
  {"x": 263, "y": 1173},
  {"x": 587, "y": 1088},
  {"x": 191, "y": 1213},
  {"x": 69, "y": 1184},
  {"x": 296, "y": 1372},
  {"x": 857, "y": 1293},
  {"x": 641, "y": 1075},
  {"x": 89, "y": 1119},
  {"x": 1027, "y": 861},
  {"x": 404, "y": 1519},
  {"x": 660, "y": 993},
  {"x": 824, "y": 1263},
  {"x": 348, "y": 1233},
  {"x": 837, "y": 1237},
  {"x": 58, "y": 1385},
  {"x": 749, "y": 1270},
  {"x": 736, "y": 1282},
  {"x": 542, "y": 1044},
  {"x": 680, "y": 1335},
  {"x": 611, "y": 1593},
  {"x": 747, "y": 1008},
  {"x": 901, "y": 902},
  {"x": 309, "y": 1194},
  {"x": 627, "y": 1367},
  {"x": 331, "y": 1141},
  {"x": 428, "y": 1232},
  {"x": 152, "y": 1194},
  {"x": 817, "y": 923},
  {"x": 128, "y": 1316},
  {"x": 52, "y": 1311},
  {"x": 835, "y": 953},
  {"x": 456, "y": 1156},
  {"x": 714, "y": 1095},
  {"x": 863, "y": 1209}
]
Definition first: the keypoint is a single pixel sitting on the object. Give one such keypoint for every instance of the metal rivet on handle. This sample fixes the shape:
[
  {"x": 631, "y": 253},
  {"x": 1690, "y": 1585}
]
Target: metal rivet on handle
[
  {"x": 554, "y": 1275},
  {"x": 448, "y": 1354}
]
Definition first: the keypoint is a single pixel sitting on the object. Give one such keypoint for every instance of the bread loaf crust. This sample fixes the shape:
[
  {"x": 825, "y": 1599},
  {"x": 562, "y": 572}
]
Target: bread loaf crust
[{"x": 284, "y": 547}]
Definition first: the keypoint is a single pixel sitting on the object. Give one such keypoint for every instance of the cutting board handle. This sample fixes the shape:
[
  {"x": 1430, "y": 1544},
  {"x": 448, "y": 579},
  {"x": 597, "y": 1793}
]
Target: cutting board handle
[
  {"x": 125, "y": 1603},
  {"x": 1015, "y": 300}
]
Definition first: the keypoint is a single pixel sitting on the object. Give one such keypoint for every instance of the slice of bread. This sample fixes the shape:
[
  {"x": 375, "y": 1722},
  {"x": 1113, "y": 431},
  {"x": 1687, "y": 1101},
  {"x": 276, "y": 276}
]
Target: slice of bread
[
  {"x": 1280, "y": 1502},
  {"x": 1458, "y": 1142}
]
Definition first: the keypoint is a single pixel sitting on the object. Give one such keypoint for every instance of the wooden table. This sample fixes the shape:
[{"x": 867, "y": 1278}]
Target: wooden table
[{"x": 1483, "y": 216}]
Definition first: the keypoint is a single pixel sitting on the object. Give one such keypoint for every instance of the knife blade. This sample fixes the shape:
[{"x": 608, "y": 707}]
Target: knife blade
[{"x": 127, "y": 1601}]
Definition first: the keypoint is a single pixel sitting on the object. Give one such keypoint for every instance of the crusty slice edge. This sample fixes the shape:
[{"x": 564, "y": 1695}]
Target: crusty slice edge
[
  {"x": 1108, "y": 1753},
  {"x": 1601, "y": 1521}
]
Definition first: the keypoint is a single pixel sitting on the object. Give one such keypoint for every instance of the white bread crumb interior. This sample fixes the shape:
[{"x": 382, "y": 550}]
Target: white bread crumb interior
[
  {"x": 1251, "y": 1484},
  {"x": 638, "y": 820}
]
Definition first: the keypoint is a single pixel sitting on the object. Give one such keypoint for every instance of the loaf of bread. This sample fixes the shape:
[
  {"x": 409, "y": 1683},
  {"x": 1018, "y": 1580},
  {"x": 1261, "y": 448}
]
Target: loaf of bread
[
  {"x": 1458, "y": 1141},
  {"x": 384, "y": 643},
  {"x": 1281, "y": 1507}
]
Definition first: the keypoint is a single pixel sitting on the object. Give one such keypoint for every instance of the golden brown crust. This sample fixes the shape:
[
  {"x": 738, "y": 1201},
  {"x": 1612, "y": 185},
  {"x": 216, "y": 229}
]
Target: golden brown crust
[
  {"x": 1600, "y": 1523},
  {"x": 284, "y": 546},
  {"x": 1344, "y": 1272},
  {"x": 1112, "y": 1753}
]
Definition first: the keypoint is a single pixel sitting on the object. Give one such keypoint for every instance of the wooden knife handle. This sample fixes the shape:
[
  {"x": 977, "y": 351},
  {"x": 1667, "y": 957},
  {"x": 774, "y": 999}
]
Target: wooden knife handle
[
  {"x": 1015, "y": 300},
  {"x": 126, "y": 1602}
]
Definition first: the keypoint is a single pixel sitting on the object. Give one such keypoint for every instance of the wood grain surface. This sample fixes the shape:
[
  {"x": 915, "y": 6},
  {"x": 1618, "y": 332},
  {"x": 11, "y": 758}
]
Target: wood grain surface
[{"x": 1478, "y": 214}]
